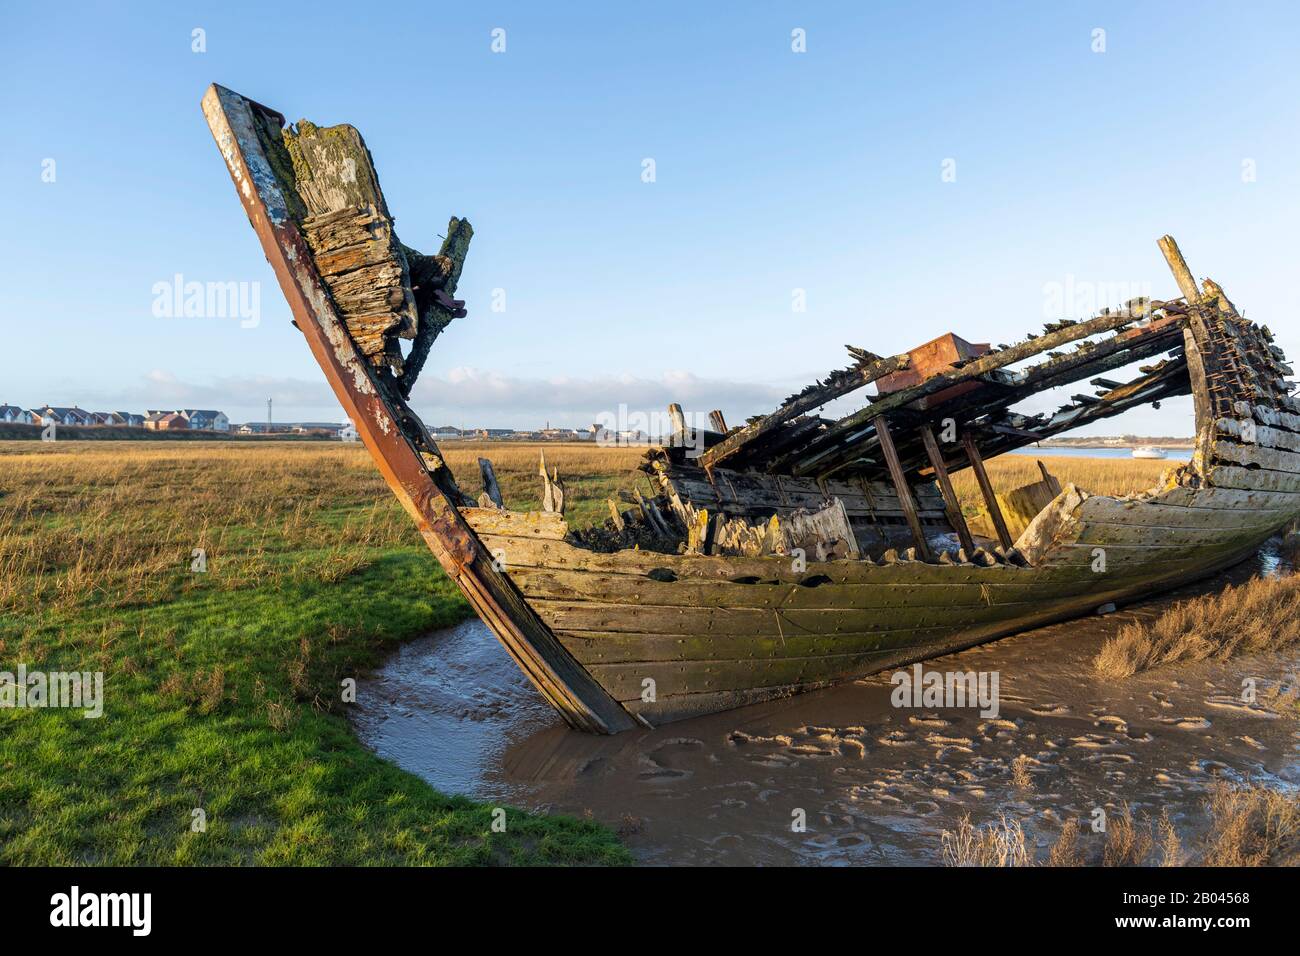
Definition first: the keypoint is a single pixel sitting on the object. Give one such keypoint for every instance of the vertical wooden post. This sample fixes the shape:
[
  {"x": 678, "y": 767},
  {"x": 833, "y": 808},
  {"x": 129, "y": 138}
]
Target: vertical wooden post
[
  {"x": 1178, "y": 266},
  {"x": 986, "y": 489},
  {"x": 955, "y": 517},
  {"x": 717, "y": 421},
  {"x": 1196, "y": 337},
  {"x": 678, "y": 418},
  {"x": 901, "y": 486}
]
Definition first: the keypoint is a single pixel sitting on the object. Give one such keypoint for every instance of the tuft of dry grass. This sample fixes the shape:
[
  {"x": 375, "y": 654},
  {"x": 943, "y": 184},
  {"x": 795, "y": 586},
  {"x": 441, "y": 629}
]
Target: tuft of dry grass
[
  {"x": 1261, "y": 615},
  {"x": 1066, "y": 850},
  {"x": 1020, "y": 775},
  {"x": 1128, "y": 841},
  {"x": 1001, "y": 843},
  {"x": 1252, "y": 826}
]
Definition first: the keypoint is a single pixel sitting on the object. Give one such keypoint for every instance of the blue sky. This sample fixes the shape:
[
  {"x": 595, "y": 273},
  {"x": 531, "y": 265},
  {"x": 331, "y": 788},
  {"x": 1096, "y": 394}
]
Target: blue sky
[{"x": 775, "y": 171}]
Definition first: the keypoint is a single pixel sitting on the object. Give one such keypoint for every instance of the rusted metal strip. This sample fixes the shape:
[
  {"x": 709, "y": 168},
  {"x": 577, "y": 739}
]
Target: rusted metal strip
[{"x": 234, "y": 122}]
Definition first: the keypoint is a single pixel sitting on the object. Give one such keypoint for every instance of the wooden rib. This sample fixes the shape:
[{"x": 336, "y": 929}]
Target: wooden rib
[
  {"x": 841, "y": 384},
  {"x": 972, "y": 370},
  {"x": 986, "y": 489},
  {"x": 955, "y": 517},
  {"x": 902, "y": 488}
]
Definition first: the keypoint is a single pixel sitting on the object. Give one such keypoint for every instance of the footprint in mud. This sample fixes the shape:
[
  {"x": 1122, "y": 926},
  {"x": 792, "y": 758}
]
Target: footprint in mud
[
  {"x": 1251, "y": 742},
  {"x": 657, "y": 764},
  {"x": 1237, "y": 706},
  {"x": 942, "y": 753},
  {"x": 1186, "y": 723},
  {"x": 596, "y": 767},
  {"x": 1049, "y": 710},
  {"x": 998, "y": 728},
  {"x": 1093, "y": 742},
  {"x": 1161, "y": 698},
  {"x": 738, "y": 738},
  {"x": 896, "y": 738},
  {"x": 1109, "y": 720},
  {"x": 850, "y": 747},
  {"x": 1108, "y": 758},
  {"x": 1215, "y": 768},
  {"x": 809, "y": 750},
  {"x": 929, "y": 720},
  {"x": 941, "y": 740}
]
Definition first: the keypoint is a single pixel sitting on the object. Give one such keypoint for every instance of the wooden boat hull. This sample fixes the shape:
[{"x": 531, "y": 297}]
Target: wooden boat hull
[
  {"x": 629, "y": 637},
  {"x": 729, "y": 631}
]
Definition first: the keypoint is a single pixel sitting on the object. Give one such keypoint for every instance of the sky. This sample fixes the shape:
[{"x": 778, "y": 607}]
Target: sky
[{"x": 913, "y": 170}]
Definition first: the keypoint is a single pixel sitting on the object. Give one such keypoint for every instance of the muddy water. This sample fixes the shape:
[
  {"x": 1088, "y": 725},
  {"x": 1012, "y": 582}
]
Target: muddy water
[{"x": 876, "y": 784}]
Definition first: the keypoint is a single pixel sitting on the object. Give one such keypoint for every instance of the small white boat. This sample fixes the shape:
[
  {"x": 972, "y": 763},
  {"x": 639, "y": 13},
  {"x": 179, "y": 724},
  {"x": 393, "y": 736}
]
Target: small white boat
[{"x": 1147, "y": 451}]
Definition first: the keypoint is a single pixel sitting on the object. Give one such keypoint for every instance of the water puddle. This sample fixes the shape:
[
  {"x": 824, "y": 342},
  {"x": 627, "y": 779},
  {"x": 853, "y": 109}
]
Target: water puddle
[{"x": 875, "y": 784}]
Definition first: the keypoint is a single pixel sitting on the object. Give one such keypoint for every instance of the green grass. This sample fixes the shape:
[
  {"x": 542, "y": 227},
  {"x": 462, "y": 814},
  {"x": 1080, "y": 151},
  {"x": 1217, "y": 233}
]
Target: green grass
[{"x": 222, "y": 690}]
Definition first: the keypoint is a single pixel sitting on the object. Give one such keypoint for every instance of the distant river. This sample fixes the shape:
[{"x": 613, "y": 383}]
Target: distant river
[{"x": 1171, "y": 454}]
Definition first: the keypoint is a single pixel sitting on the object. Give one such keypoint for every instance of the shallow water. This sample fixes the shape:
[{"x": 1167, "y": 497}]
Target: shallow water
[
  {"x": 1171, "y": 454},
  {"x": 877, "y": 784}
]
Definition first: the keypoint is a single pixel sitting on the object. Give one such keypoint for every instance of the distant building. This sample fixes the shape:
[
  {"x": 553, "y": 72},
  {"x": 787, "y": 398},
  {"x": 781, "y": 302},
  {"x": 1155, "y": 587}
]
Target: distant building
[
  {"x": 207, "y": 419},
  {"x": 62, "y": 415},
  {"x": 348, "y": 432},
  {"x": 166, "y": 422},
  {"x": 12, "y": 413},
  {"x": 309, "y": 428},
  {"x": 129, "y": 418}
]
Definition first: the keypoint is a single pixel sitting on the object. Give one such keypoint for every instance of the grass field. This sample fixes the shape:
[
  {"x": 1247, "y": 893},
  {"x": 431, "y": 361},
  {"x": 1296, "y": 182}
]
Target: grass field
[{"x": 223, "y": 686}]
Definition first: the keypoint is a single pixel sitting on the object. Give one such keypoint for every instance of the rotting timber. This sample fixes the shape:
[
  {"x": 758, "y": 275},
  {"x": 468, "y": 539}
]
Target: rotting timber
[{"x": 793, "y": 551}]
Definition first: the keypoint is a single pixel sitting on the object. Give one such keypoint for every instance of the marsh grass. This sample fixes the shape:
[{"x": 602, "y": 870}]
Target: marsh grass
[
  {"x": 1249, "y": 825},
  {"x": 222, "y": 689},
  {"x": 1262, "y": 614}
]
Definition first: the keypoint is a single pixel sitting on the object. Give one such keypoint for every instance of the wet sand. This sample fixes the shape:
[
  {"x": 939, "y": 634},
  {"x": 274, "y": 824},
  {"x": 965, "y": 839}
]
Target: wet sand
[{"x": 876, "y": 784}]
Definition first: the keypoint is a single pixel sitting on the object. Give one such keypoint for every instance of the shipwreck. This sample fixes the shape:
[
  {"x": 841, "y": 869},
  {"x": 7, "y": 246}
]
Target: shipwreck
[{"x": 793, "y": 551}]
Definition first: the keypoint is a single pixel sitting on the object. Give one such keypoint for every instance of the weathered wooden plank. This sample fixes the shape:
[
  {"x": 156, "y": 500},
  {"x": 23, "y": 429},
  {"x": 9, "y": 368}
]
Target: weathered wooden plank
[
  {"x": 1232, "y": 476},
  {"x": 627, "y": 681},
  {"x": 432, "y": 275},
  {"x": 1268, "y": 415},
  {"x": 986, "y": 489},
  {"x": 604, "y": 588},
  {"x": 945, "y": 485},
  {"x": 595, "y": 616},
  {"x": 1259, "y": 456},
  {"x": 981, "y": 366},
  {"x": 837, "y": 385},
  {"x": 614, "y": 647},
  {"x": 901, "y": 488},
  {"x": 490, "y": 486},
  {"x": 494, "y": 522}
]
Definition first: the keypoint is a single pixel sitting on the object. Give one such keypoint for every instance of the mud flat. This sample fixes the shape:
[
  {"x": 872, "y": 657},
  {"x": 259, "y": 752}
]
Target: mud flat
[{"x": 875, "y": 783}]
